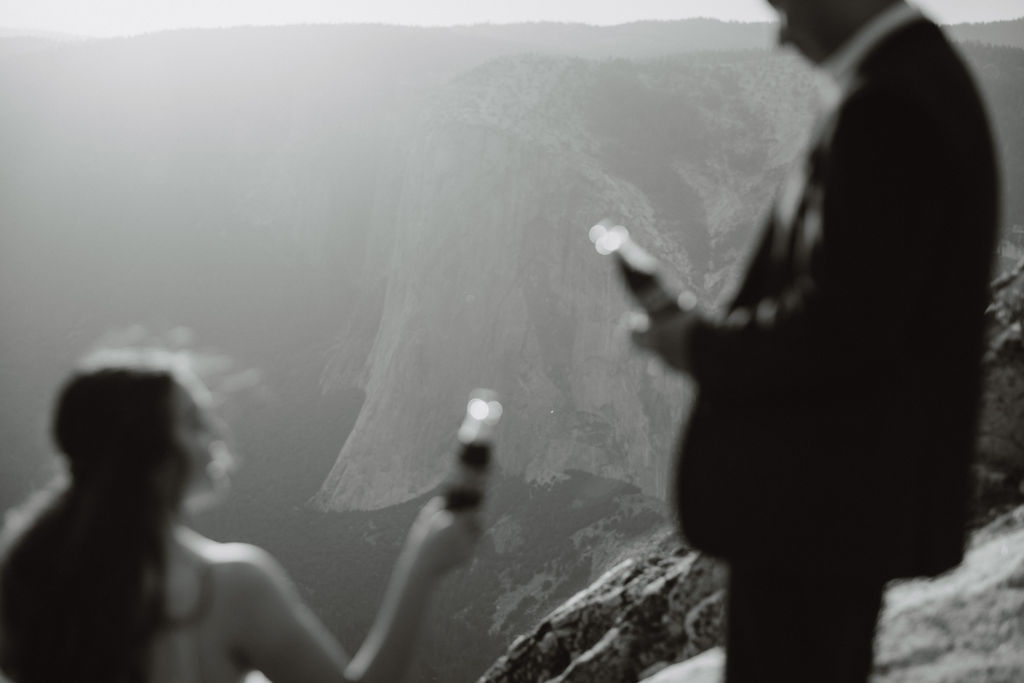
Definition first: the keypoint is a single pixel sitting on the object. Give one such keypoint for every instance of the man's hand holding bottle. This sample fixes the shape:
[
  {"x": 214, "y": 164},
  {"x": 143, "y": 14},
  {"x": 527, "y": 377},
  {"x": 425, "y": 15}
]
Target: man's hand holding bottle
[{"x": 666, "y": 316}]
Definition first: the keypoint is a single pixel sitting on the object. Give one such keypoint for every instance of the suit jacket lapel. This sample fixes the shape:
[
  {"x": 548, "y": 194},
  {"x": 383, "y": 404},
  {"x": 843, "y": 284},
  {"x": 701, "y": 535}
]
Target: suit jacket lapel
[{"x": 794, "y": 224}]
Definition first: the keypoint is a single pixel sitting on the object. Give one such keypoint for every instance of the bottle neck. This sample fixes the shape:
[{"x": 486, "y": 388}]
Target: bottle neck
[{"x": 476, "y": 455}]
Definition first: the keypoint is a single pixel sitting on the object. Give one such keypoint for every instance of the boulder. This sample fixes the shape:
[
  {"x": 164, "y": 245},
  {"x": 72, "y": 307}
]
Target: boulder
[
  {"x": 966, "y": 625},
  {"x": 1000, "y": 447},
  {"x": 663, "y": 606}
]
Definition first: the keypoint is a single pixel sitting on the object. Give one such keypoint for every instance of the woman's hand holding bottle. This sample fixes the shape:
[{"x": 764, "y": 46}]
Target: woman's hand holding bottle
[{"x": 441, "y": 539}]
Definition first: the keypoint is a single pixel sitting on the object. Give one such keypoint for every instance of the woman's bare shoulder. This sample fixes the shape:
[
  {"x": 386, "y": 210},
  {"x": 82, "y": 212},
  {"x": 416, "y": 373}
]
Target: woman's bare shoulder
[{"x": 235, "y": 563}]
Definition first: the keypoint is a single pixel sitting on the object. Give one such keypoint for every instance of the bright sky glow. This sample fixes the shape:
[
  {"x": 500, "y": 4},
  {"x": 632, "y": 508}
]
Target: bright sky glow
[{"x": 127, "y": 17}]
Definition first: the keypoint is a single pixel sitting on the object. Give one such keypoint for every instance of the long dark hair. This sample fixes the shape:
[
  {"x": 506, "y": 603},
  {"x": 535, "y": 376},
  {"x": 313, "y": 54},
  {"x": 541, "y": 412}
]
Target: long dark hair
[{"x": 81, "y": 570}]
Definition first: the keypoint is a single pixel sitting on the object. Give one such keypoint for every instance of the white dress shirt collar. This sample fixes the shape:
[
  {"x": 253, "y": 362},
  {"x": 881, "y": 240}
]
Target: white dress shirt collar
[{"x": 841, "y": 66}]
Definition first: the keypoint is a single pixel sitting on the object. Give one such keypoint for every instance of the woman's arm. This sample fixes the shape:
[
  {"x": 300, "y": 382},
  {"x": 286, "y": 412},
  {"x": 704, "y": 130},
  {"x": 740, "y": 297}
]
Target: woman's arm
[
  {"x": 276, "y": 633},
  {"x": 438, "y": 541},
  {"x": 271, "y": 629}
]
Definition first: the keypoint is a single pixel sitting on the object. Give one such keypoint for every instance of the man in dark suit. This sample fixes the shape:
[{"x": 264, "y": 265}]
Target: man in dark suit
[{"x": 829, "y": 447}]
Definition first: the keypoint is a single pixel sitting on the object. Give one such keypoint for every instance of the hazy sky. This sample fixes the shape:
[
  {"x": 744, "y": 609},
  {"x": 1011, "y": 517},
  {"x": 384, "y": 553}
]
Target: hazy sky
[{"x": 120, "y": 17}]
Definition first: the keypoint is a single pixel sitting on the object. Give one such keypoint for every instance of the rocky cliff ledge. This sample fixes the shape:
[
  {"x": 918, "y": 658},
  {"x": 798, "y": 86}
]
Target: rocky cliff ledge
[
  {"x": 665, "y": 605},
  {"x": 649, "y": 618},
  {"x": 658, "y": 618},
  {"x": 967, "y": 625},
  {"x": 1000, "y": 464}
]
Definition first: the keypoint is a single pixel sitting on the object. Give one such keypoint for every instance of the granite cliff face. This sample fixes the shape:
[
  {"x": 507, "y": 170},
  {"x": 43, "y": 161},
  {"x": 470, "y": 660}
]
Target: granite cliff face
[
  {"x": 1000, "y": 467},
  {"x": 486, "y": 278},
  {"x": 492, "y": 281}
]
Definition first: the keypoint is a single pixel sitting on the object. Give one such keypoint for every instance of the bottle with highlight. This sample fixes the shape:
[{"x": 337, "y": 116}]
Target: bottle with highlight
[
  {"x": 467, "y": 481},
  {"x": 641, "y": 272}
]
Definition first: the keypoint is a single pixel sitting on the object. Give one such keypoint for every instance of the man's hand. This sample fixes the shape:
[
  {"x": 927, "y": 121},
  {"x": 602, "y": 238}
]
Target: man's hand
[{"x": 667, "y": 335}]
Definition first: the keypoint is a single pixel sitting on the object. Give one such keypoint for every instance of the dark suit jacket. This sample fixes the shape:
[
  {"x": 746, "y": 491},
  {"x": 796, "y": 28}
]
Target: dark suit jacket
[{"x": 837, "y": 401}]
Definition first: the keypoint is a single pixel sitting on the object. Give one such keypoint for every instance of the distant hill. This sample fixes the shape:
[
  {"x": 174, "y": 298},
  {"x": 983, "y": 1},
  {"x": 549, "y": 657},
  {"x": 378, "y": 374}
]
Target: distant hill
[
  {"x": 635, "y": 40},
  {"x": 40, "y": 35},
  {"x": 1005, "y": 33},
  {"x": 642, "y": 39},
  {"x": 15, "y": 41}
]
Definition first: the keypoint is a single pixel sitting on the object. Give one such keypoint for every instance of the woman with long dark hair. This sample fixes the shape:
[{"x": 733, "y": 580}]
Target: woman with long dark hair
[{"x": 101, "y": 580}]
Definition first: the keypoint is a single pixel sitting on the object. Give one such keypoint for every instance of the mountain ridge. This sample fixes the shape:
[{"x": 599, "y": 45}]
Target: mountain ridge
[{"x": 636, "y": 39}]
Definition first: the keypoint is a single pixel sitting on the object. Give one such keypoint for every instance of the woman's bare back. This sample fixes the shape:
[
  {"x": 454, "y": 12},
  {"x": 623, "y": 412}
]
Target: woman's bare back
[{"x": 199, "y": 642}]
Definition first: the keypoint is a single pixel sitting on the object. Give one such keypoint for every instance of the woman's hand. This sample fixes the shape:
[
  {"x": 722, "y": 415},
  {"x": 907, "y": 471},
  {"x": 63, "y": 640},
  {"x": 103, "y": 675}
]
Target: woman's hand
[{"x": 442, "y": 539}]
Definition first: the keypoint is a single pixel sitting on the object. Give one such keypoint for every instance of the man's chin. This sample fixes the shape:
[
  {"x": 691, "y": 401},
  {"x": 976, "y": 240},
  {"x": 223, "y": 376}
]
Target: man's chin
[{"x": 786, "y": 40}]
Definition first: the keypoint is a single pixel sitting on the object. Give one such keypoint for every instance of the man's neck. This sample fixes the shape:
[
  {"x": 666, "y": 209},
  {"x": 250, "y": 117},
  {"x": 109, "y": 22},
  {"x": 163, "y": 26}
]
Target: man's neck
[
  {"x": 845, "y": 22},
  {"x": 842, "y": 65}
]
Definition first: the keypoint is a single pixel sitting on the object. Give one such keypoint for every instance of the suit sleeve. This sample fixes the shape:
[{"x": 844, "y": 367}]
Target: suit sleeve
[{"x": 847, "y": 317}]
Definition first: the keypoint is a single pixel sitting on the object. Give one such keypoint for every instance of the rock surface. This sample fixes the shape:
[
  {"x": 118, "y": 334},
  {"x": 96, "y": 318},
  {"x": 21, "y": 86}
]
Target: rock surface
[
  {"x": 967, "y": 625},
  {"x": 1000, "y": 466},
  {"x": 706, "y": 667},
  {"x": 664, "y": 605}
]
